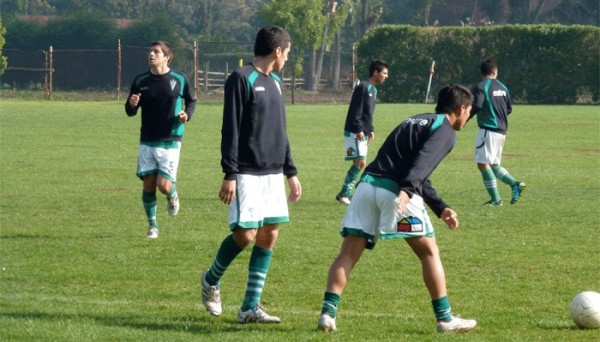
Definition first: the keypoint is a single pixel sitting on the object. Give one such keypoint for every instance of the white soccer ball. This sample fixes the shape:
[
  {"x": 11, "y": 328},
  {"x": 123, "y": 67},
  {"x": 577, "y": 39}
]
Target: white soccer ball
[{"x": 585, "y": 310}]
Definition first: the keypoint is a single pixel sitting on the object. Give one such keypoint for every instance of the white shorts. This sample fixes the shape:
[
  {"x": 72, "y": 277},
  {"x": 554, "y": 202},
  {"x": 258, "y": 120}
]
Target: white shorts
[
  {"x": 159, "y": 160},
  {"x": 373, "y": 214},
  {"x": 488, "y": 147},
  {"x": 259, "y": 200},
  {"x": 355, "y": 149}
]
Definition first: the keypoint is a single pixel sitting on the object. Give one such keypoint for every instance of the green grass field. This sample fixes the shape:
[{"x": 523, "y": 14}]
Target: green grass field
[{"x": 75, "y": 264}]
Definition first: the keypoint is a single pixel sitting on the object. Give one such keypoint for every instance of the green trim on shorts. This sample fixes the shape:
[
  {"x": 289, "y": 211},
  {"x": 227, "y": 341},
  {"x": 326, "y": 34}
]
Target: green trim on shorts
[
  {"x": 162, "y": 144},
  {"x": 259, "y": 224},
  {"x": 141, "y": 175},
  {"x": 381, "y": 182},
  {"x": 358, "y": 232}
]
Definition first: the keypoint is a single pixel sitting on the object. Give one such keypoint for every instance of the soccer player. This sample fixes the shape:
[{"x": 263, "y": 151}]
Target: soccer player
[
  {"x": 358, "y": 129},
  {"x": 492, "y": 105},
  {"x": 255, "y": 157},
  {"x": 389, "y": 203},
  {"x": 162, "y": 94}
]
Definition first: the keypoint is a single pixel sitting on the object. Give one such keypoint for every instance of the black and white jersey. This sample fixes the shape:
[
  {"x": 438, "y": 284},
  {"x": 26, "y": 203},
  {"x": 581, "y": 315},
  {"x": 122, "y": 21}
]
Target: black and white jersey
[
  {"x": 254, "y": 138},
  {"x": 162, "y": 98},
  {"x": 411, "y": 152},
  {"x": 492, "y": 104},
  {"x": 362, "y": 107}
]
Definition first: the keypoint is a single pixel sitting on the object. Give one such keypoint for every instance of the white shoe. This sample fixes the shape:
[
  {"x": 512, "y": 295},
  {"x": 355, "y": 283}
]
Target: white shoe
[
  {"x": 256, "y": 315},
  {"x": 152, "y": 232},
  {"x": 326, "y": 323},
  {"x": 173, "y": 206},
  {"x": 211, "y": 297},
  {"x": 343, "y": 199},
  {"x": 457, "y": 324}
]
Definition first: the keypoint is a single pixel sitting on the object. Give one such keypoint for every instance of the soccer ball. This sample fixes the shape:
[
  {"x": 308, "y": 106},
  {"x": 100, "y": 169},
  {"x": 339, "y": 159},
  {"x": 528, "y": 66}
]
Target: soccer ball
[{"x": 585, "y": 310}]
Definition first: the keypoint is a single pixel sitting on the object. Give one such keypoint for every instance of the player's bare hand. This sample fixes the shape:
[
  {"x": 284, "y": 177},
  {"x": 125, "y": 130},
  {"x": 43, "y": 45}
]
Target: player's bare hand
[
  {"x": 371, "y": 138},
  {"x": 403, "y": 200},
  {"x": 227, "y": 192},
  {"x": 450, "y": 218},
  {"x": 134, "y": 99},
  {"x": 183, "y": 117},
  {"x": 295, "y": 189},
  {"x": 360, "y": 136}
]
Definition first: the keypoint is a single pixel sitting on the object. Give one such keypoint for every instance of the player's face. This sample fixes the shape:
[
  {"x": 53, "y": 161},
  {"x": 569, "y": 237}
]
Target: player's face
[
  {"x": 462, "y": 118},
  {"x": 282, "y": 57},
  {"x": 156, "y": 57},
  {"x": 381, "y": 76}
]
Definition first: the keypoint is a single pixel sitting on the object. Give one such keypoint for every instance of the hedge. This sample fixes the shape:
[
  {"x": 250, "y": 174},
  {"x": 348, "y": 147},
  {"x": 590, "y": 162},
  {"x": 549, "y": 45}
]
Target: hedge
[{"x": 547, "y": 64}]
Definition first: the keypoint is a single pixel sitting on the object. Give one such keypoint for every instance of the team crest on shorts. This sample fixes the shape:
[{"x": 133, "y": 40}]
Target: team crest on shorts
[
  {"x": 410, "y": 225},
  {"x": 350, "y": 152}
]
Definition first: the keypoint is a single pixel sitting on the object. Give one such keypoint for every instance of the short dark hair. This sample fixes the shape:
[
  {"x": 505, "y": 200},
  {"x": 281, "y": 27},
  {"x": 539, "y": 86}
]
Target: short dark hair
[
  {"x": 269, "y": 38},
  {"x": 488, "y": 67},
  {"x": 166, "y": 49},
  {"x": 377, "y": 65},
  {"x": 451, "y": 96}
]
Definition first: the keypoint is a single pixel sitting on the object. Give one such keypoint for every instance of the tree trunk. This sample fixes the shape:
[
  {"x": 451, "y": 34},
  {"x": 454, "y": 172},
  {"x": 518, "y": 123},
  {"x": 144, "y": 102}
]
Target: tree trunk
[
  {"x": 337, "y": 57},
  {"x": 310, "y": 73}
]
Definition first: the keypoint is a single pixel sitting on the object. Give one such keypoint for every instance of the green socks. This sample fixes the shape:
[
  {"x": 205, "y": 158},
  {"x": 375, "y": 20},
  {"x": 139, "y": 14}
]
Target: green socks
[
  {"x": 503, "y": 175},
  {"x": 489, "y": 181},
  {"x": 330, "y": 303},
  {"x": 173, "y": 192},
  {"x": 442, "y": 310},
  {"x": 349, "y": 181},
  {"x": 228, "y": 251},
  {"x": 260, "y": 260},
  {"x": 149, "y": 201}
]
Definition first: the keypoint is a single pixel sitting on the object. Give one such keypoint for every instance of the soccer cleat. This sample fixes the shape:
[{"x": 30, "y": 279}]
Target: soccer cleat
[
  {"x": 211, "y": 297},
  {"x": 152, "y": 232},
  {"x": 326, "y": 323},
  {"x": 343, "y": 199},
  {"x": 457, "y": 324},
  {"x": 256, "y": 315},
  {"x": 517, "y": 190},
  {"x": 173, "y": 206},
  {"x": 491, "y": 203}
]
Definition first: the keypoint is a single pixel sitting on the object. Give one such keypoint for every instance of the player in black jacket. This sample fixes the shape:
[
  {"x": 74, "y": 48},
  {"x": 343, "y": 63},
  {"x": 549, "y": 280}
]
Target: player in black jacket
[
  {"x": 492, "y": 105},
  {"x": 162, "y": 94},
  {"x": 389, "y": 203},
  {"x": 358, "y": 128},
  {"x": 255, "y": 157}
]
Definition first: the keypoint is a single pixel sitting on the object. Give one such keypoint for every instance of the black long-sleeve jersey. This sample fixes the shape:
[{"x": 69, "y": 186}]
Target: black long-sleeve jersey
[
  {"x": 411, "y": 152},
  {"x": 492, "y": 104},
  {"x": 362, "y": 107},
  {"x": 162, "y": 98},
  {"x": 253, "y": 136}
]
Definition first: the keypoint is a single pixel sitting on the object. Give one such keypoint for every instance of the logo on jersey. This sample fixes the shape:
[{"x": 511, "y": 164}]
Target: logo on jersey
[
  {"x": 414, "y": 121},
  {"x": 259, "y": 88},
  {"x": 499, "y": 93},
  {"x": 173, "y": 83},
  {"x": 278, "y": 87}
]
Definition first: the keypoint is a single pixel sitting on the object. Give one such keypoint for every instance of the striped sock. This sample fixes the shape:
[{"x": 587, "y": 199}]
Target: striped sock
[
  {"x": 260, "y": 260},
  {"x": 349, "y": 181},
  {"x": 173, "y": 192},
  {"x": 149, "y": 201},
  {"x": 330, "y": 303},
  {"x": 442, "y": 310},
  {"x": 489, "y": 181},
  {"x": 228, "y": 251},
  {"x": 503, "y": 175}
]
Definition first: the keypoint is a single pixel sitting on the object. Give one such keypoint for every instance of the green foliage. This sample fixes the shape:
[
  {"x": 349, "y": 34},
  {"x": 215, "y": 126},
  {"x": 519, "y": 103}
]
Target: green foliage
[
  {"x": 82, "y": 30},
  {"x": 75, "y": 265},
  {"x": 3, "y": 61},
  {"x": 539, "y": 63}
]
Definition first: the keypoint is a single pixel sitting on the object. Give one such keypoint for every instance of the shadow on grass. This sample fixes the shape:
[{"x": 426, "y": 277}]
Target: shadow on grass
[{"x": 205, "y": 325}]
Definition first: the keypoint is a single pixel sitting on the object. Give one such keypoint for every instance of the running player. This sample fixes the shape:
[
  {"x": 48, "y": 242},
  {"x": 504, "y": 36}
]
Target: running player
[
  {"x": 161, "y": 93},
  {"x": 492, "y": 105}
]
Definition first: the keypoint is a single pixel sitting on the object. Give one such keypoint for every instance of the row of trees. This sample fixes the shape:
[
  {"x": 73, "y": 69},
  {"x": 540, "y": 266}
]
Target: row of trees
[{"x": 316, "y": 25}]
